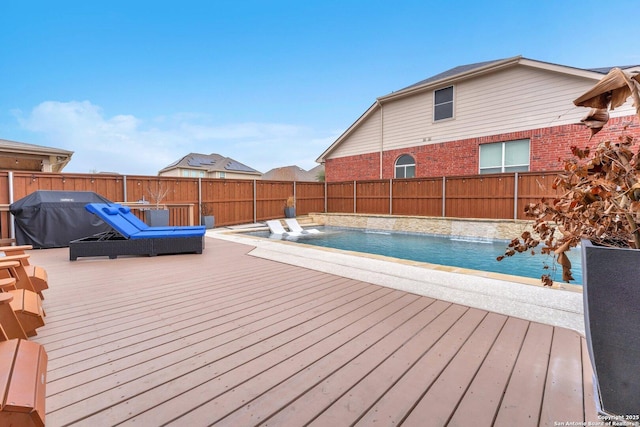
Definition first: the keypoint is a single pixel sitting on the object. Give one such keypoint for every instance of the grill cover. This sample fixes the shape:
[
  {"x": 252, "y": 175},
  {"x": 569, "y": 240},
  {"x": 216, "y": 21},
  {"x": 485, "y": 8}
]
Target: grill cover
[{"x": 51, "y": 219}]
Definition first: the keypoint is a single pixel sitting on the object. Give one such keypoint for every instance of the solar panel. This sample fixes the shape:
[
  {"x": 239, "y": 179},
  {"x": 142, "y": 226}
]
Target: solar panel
[
  {"x": 232, "y": 165},
  {"x": 200, "y": 161}
]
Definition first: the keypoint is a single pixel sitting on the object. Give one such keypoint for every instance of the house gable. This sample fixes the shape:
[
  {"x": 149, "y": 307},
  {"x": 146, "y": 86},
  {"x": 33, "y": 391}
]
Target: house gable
[{"x": 491, "y": 98}]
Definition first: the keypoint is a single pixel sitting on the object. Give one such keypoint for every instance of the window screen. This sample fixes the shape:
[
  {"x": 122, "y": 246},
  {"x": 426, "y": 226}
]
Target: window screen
[
  {"x": 443, "y": 103},
  {"x": 509, "y": 156},
  {"x": 405, "y": 167}
]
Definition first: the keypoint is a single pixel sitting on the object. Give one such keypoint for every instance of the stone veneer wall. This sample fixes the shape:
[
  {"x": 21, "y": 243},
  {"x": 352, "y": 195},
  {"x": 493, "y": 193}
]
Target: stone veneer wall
[{"x": 480, "y": 228}]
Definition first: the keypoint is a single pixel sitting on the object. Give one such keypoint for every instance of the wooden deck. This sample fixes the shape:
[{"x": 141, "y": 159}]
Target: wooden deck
[{"x": 225, "y": 338}]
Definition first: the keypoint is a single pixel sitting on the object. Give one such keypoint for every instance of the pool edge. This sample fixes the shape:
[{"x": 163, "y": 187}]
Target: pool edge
[{"x": 510, "y": 295}]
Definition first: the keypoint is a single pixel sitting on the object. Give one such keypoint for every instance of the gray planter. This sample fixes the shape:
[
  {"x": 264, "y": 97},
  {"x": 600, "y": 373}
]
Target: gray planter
[
  {"x": 157, "y": 217},
  {"x": 611, "y": 280},
  {"x": 209, "y": 221},
  {"x": 290, "y": 212}
]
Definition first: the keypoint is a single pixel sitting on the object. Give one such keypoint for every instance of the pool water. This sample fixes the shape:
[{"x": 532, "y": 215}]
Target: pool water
[{"x": 471, "y": 253}]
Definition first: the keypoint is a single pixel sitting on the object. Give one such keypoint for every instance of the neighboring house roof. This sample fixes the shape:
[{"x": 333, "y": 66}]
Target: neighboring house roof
[
  {"x": 12, "y": 153},
  {"x": 293, "y": 173},
  {"x": 316, "y": 172},
  {"x": 464, "y": 72},
  {"x": 210, "y": 163},
  {"x": 606, "y": 70}
]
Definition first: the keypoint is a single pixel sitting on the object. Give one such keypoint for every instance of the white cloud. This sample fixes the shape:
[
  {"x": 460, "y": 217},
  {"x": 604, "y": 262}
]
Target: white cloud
[{"x": 130, "y": 145}]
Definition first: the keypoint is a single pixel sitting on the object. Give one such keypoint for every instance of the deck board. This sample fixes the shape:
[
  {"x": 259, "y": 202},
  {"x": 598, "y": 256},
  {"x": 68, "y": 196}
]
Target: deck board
[
  {"x": 199, "y": 337},
  {"x": 480, "y": 404},
  {"x": 225, "y": 338},
  {"x": 438, "y": 405},
  {"x": 567, "y": 401},
  {"x": 334, "y": 374},
  {"x": 338, "y": 395},
  {"x": 337, "y": 343}
]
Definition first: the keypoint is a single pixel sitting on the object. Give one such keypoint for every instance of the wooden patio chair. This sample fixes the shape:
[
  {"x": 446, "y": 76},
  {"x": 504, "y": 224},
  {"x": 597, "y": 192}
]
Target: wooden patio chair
[
  {"x": 3, "y": 334},
  {"x": 26, "y": 305},
  {"x": 37, "y": 274},
  {"x": 11, "y": 326},
  {"x": 29, "y": 277},
  {"x": 23, "y": 378}
]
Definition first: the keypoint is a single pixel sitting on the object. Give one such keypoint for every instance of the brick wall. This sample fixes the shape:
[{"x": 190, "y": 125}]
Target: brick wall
[
  {"x": 363, "y": 166},
  {"x": 548, "y": 147}
]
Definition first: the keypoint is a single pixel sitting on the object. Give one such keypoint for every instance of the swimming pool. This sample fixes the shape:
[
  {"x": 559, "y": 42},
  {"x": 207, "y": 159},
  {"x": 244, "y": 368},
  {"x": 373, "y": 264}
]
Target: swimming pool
[{"x": 471, "y": 253}]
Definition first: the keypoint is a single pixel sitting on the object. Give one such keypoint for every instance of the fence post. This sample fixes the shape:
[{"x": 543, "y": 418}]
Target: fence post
[
  {"x": 200, "y": 199},
  {"x": 355, "y": 197},
  {"x": 255, "y": 204},
  {"x": 325, "y": 195},
  {"x": 390, "y": 196},
  {"x": 12, "y": 231},
  {"x": 515, "y": 196},
  {"x": 444, "y": 196},
  {"x": 124, "y": 188}
]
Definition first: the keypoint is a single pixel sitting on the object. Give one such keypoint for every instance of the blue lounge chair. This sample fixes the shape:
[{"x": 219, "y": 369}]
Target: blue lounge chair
[
  {"x": 130, "y": 236},
  {"x": 125, "y": 212},
  {"x": 126, "y": 223}
]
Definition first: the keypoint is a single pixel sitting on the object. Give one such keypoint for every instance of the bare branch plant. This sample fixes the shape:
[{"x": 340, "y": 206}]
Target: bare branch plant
[{"x": 600, "y": 186}]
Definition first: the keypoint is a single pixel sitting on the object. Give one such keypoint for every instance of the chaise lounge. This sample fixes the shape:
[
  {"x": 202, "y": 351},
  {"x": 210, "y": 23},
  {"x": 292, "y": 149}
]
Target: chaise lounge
[
  {"x": 131, "y": 236},
  {"x": 277, "y": 230},
  {"x": 295, "y": 227}
]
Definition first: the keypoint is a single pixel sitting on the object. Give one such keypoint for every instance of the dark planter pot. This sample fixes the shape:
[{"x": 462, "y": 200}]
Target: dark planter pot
[
  {"x": 289, "y": 212},
  {"x": 209, "y": 221},
  {"x": 157, "y": 217},
  {"x": 611, "y": 281}
]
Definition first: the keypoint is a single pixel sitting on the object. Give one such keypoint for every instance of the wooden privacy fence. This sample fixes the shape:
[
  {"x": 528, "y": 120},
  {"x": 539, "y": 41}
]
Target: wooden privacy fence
[{"x": 499, "y": 196}]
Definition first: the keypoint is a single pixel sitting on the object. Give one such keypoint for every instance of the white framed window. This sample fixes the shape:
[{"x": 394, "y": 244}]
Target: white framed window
[
  {"x": 507, "y": 156},
  {"x": 191, "y": 173},
  {"x": 443, "y": 104},
  {"x": 405, "y": 167}
]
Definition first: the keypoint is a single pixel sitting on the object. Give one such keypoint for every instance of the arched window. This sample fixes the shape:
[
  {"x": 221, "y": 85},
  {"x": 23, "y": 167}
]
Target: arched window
[{"x": 405, "y": 167}]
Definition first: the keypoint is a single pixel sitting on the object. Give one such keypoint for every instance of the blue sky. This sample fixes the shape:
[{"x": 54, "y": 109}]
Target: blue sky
[{"x": 131, "y": 86}]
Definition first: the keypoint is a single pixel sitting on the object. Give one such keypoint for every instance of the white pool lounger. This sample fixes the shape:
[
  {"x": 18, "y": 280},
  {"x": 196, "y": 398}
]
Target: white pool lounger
[
  {"x": 294, "y": 226},
  {"x": 276, "y": 228}
]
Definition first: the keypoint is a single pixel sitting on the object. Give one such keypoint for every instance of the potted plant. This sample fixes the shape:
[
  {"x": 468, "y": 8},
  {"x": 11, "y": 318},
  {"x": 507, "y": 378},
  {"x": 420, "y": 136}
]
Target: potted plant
[
  {"x": 206, "y": 215},
  {"x": 598, "y": 207},
  {"x": 290, "y": 207},
  {"x": 159, "y": 215}
]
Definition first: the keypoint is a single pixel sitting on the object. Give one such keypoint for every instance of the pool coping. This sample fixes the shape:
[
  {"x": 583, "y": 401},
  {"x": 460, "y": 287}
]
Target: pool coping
[{"x": 509, "y": 295}]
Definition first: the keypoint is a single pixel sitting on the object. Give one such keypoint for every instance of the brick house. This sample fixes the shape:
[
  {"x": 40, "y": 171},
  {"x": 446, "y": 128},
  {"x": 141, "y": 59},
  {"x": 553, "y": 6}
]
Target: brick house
[{"x": 508, "y": 115}]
